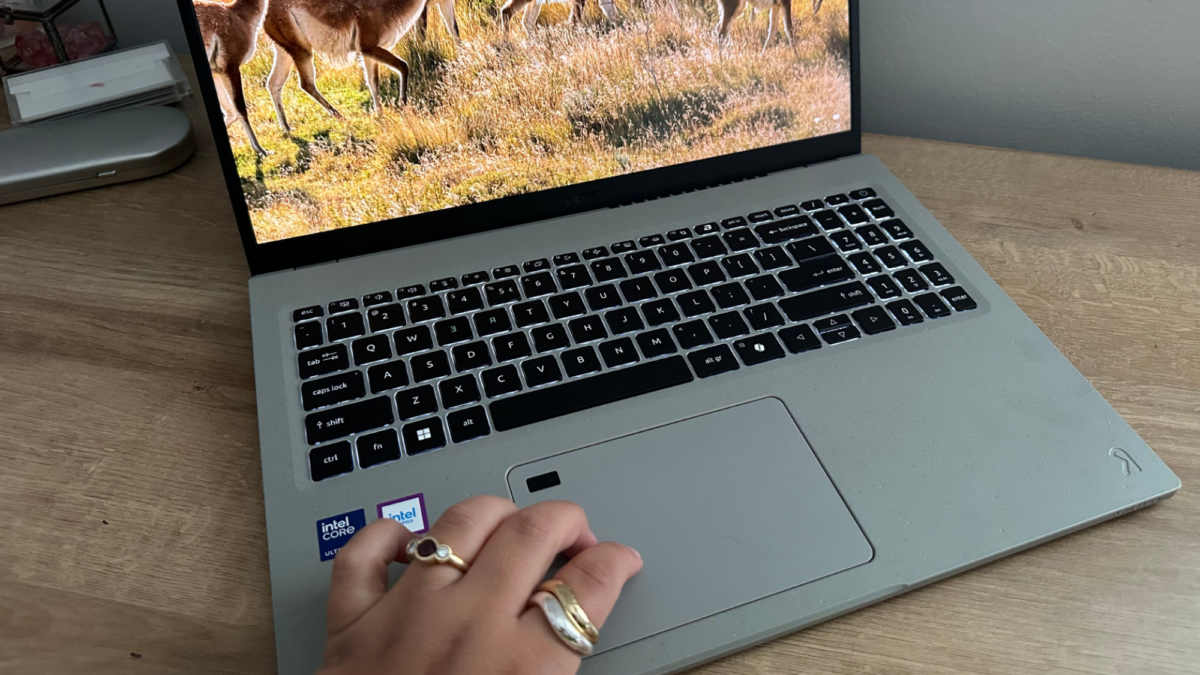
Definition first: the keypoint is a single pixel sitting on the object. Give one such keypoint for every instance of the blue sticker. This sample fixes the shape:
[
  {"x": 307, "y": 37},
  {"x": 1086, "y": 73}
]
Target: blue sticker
[{"x": 334, "y": 532}]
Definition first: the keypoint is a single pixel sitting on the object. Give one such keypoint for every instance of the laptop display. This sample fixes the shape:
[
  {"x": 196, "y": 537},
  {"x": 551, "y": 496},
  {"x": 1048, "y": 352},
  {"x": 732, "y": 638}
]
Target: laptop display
[{"x": 541, "y": 102}]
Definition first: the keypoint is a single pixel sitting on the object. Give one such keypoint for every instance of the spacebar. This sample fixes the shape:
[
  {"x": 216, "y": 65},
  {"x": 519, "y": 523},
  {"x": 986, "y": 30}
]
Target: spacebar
[{"x": 543, "y": 404}]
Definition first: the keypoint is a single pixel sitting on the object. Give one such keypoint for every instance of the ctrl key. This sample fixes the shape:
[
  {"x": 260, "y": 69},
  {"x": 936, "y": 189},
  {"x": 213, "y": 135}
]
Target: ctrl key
[{"x": 330, "y": 460}]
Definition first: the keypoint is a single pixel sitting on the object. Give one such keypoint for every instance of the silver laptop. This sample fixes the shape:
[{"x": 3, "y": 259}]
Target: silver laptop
[{"x": 690, "y": 305}]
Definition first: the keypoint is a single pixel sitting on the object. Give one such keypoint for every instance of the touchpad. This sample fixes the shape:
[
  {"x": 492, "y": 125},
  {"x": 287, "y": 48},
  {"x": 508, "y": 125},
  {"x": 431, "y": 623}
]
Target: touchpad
[{"x": 725, "y": 508}]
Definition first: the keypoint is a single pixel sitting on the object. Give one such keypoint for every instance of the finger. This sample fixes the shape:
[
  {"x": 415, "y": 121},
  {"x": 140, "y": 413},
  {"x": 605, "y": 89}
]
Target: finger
[
  {"x": 520, "y": 551},
  {"x": 360, "y": 577},
  {"x": 465, "y": 528}
]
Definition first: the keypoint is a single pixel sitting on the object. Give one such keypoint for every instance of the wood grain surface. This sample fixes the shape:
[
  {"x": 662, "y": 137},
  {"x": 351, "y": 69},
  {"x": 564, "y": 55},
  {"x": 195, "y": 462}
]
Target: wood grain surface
[{"x": 130, "y": 485}]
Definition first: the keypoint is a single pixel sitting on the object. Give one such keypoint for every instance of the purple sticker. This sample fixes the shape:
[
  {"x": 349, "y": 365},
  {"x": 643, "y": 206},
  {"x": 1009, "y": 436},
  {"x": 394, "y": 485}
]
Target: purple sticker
[{"x": 408, "y": 511}]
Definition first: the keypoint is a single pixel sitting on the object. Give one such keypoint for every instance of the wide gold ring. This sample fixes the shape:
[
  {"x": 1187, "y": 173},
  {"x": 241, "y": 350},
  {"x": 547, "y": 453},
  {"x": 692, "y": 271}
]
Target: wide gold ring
[
  {"x": 431, "y": 551},
  {"x": 566, "y": 597}
]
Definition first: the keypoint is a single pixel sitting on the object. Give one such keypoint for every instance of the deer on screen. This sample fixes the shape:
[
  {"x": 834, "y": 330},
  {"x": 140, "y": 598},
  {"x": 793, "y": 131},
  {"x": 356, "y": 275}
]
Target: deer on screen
[{"x": 229, "y": 30}]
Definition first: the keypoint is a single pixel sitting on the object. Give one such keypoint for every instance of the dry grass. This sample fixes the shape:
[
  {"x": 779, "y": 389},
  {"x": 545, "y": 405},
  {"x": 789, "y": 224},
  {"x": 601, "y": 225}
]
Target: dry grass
[{"x": 499, "y": 116}]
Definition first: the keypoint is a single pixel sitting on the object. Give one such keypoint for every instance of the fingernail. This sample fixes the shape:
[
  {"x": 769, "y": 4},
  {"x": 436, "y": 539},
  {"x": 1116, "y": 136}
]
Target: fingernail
[{"x": 635, "y": 552}]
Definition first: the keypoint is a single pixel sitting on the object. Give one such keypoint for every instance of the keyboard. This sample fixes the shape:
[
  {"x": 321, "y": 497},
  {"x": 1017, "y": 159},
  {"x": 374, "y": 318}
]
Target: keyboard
[{"x": 401, "y": 373}]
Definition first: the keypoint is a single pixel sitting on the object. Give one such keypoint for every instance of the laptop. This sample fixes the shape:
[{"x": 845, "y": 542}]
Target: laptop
[{"x": 680, "y": 297}]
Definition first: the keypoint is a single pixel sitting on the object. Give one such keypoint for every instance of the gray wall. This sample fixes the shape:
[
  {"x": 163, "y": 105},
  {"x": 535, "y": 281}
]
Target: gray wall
[{"x": 1113, "y": 79}]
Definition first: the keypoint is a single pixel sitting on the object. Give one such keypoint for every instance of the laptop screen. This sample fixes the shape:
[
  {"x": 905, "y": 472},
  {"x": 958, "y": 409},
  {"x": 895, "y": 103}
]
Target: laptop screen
[{"x": 507, "y": 99}]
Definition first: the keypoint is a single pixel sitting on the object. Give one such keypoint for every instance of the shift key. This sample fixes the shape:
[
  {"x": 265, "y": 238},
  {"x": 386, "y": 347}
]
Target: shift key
[
  {"x": 327, "y": 425},
  {"x": 825, "y": 301}
]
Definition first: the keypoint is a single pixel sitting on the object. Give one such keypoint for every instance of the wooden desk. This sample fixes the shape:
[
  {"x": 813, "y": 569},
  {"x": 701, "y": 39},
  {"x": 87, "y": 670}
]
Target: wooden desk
[{"x": 130, "y": 486}]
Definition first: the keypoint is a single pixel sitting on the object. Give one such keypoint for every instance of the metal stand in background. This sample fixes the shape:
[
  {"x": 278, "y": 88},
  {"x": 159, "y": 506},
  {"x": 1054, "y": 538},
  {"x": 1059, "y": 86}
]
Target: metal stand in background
[{"x": 48, "y": 18}]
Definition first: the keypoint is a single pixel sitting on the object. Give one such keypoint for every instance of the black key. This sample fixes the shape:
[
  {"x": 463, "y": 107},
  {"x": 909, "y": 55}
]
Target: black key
[
  {"x": 730, "y": 295},
  {"x": 492, "y": 322},
  {"x": 932, "y": 305},
  {"x": 372, "y": 349},
  {"x": 828, "y": 220},
  {"x": 511, "y": 347},
  {"x": 387, "y": 376},
  {"x": 884, "y": 287},
  {"x": 617, "y": 353},
  {"x": 865, "y": 263},
  {"x": 814, "y": 273},
  {"x": 602, "y": 297},
  {"x": 707, "y": 228},
  {"x": 412, "y": 340},
  {"x": 330, "y": 460},
  {"x": 740, "y": 265},
  {"x": 414, "y": 291},
  {"x": 467, "y": 425},
  {"x": 958, "y": 299},
  {"x": 656, "y": 343},
  {"x": 862, "y": 193},
  {"x": 471, "y": 356},
  {"x": 446, "y": 284},
  {"x": 536, "y": 265},
  {"x": 825, "y": 301},
  {"x": 758, "y": 349},
  {"x": 708, "y": 247},
  {"x": 839, "y": 335},
  {"x": 676, "y": 254},
  {"x": 762, "y": 317},
  {"x": 505, "y": 272},
  {"x": 594, "y": 253},
  {"x": 501, "y": 381},
  {"x": 874, "y": 320},
  {"x": 566, "y": 259},
  {"x": 541, "y": 371},
  {"x": 764, "y": 287},
  {"x": 474, "y": 278},
  {"x": 853, "y": 214},
  {"x": 911, "y": 281},
  {"x": 728, "y": 325},
  {"x": 787, "y": 210},
  {"x": 705, "y": 273},
  {"x": 879, "y": 209},
  {"x": 692, "y": 334},
  {"x": 808, "y": 249},
  {"x": 323, "y": 361},
  {"x": 466, "y": 300},
  {"x": 896, "y": 229},
  {"x": 579, "y": 362},
  {"x": 786, "y": 230},
  {"x": 761, "y": 216},
  {"x": 377, "y": 448},
  {"x": 386, "y": 317},
  {"x": 831, "y": 322},
  {"x": 660, "y": 312},
  {"x": 680, "y": 234},
  {"x": 416, "y": 402},
  {"x": 672, "y": 281},
  {"x": 453, "y": 331},
  {"x": 537, "y": 285},
  {"x": 740, "y": 240},
  {"x": 905, "y": 312},
  {"x": 423, "y": 436},
  {"x": 329, "y": 391},
  {"x": 427, "y": 308},
  {"x": 326, "y": 425},
  {"x": 890, "y": 257},
  {"x": 347, "y": 305},
  {"x": 550, "y": 402},
  {"x": 308, "y": 334},
  {"x": 308, "y": 313},
  {"x": 345, "y": 326},
  {"x": 812, "y": 205},
  {"x": 916, "y": 251},
  {"x": 713, "y": 361},
  {"x": 772, "y": 258},
  {"x": 529, "y": 314},
  {"x": 575, "y": 276},
  {"x": 846, "y": 241},
  {"x": 379, "y": 298},
  {"x": 501, "y": 292},
  {"x": 608, "y": 269},
  {"x": 549, "y": 338},
  {"x": 734, "y": 222},
  {"x": 799, "y": 339},
  {"x": 871, "y": 235},
  {"x": 695, "y": 303},
  {"x": 623, "y": 247},
  {"x": 937, "y": 275},
  {"x": 652, "y": 240},
  {"x": 624, "y": 320},
  {"x": 566, "y": 305},
  {"x": 636, "y": 290},
  {"x": 641, "y": 262},
  {"x": 459, "y": 391},
  {"x": 587, "y": 329},
  {"x": 429, "y": 366},
  {"x": 836, "y": 200}
]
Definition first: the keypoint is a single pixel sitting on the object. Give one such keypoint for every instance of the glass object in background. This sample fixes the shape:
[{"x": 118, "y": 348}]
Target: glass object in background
[{"x": 40, "y": 33}]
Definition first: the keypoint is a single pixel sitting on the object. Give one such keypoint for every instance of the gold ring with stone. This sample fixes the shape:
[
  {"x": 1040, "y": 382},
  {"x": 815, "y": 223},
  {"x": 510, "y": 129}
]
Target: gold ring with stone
[
  {"x": 560, "y": 623},
  {"x": 566, "y": 597},
  {"x": 430, "y": 550}
]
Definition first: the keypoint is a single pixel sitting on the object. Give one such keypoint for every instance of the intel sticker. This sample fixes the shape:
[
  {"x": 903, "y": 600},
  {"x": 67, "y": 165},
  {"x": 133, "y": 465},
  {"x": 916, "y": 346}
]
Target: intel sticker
[
  {"x": 408, "y": 511},
  {"x": 334, "y": 532}
]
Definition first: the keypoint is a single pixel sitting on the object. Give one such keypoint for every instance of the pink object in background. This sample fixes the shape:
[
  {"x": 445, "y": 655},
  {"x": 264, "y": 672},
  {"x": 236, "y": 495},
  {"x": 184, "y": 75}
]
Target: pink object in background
[
  {"x": 81, "y": 40},
  {"x": 35, "y": 49}
]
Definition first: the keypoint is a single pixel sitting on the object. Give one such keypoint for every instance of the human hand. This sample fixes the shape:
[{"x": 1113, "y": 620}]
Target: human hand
[{"x": 437, "y": 619}]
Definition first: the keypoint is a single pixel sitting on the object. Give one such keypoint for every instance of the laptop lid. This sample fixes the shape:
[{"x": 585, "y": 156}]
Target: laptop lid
[{"x": 509, "y": 126}]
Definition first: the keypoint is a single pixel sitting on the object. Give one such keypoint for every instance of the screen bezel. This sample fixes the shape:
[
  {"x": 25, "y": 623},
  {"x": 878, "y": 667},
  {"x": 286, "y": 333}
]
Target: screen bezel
[{"x": 385, "y": 235}]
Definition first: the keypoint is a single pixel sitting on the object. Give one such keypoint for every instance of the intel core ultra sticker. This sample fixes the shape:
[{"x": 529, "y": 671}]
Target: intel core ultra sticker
[{"x": 334, "y": 532}]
